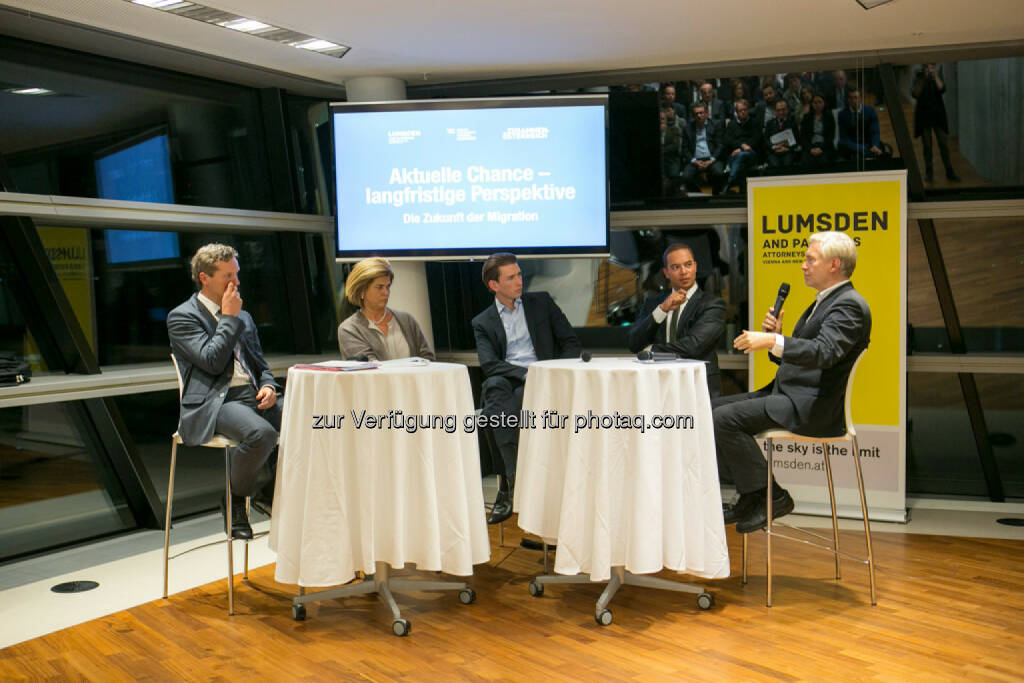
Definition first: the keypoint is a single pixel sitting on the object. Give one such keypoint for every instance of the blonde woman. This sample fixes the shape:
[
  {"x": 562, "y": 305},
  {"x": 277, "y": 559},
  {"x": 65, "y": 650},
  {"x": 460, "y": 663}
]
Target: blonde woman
[{"x": 376, "y": 331}]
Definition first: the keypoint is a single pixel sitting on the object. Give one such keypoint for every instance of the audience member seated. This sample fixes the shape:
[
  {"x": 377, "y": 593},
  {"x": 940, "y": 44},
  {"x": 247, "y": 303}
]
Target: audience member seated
[
  {"x": 767, "y": 108},
  {"x": 806, "y": 95},
  {"x": 739, "y": 92},
  {"x": 834, "y": 87},
  {"x": 667, "y": 94},
  {"x": 781, "y": 137},
  {"x": 376, "y": 331},
  {"x": 702, "y": 146},
  {"x": 671, "y": 149},
  {"x": 743, "y": 141},
  {"x": 792, "y": 93},
  {"x": 858, "y": 129},
  {"x": 817, "y": 132},
  {"x": 716, "y": 109}
]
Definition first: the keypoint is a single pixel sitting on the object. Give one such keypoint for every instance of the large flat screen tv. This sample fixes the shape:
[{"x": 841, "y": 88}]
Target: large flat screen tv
[
  {"x": 465, "y": 178},
  {"x": 138, "y": 169}
]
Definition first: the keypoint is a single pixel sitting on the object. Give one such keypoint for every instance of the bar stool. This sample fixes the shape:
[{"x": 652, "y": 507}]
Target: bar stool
[
  {"x": 217, "y": 441},
  {"x": 851, "y": 436}
]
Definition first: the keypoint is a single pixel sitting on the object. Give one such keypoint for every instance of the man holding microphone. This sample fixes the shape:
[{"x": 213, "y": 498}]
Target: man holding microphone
[{"x": 808, "y": 392}]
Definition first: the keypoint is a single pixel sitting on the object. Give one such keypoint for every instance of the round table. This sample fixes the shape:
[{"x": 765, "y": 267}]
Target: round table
[
  {"x": 623, "y": 474},
  {"x": 352, "y": 492}
]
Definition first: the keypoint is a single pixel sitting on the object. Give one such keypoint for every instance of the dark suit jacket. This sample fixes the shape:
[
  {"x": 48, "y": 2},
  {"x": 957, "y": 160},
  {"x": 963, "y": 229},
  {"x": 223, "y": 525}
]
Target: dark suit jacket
[
  {"x": 749, "y": 133},
  {"x": 700, "y": 326},
  {"x": 775, "y": 126},
  {"x": 205, "y": 350},
  {"x": 550, "y": 332},
  {"x": 715, "y": 145},
  {"x": 816, "y": 361},
  {"x": 858, "y": 132},
  {"x": 828, "y": 131}
]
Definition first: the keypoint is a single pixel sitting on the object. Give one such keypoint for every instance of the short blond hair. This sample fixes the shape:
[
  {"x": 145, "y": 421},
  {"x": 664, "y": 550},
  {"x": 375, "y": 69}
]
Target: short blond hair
[
  {"x": 363, "y": 273},
  {"x": 837, "y": 245},
  {"x": 207, "y": 257}
]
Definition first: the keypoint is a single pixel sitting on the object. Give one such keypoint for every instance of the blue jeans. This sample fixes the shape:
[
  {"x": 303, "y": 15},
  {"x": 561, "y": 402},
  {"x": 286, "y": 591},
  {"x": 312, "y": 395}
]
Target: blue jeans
[{"x": 739, "y": 165}]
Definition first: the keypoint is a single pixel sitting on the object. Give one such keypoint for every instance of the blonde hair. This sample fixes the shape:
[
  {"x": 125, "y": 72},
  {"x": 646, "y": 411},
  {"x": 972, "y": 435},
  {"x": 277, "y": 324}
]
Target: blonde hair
[
  {"x": 837, "y": 245},
  {"x": 207, "y": 257},
  {"x": 363, "y": 273}
]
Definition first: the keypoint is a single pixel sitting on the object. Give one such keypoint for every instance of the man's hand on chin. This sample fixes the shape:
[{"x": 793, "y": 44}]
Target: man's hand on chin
[
  {"x": 754, "y": 341},
  {"x": 266, "y": 397}
]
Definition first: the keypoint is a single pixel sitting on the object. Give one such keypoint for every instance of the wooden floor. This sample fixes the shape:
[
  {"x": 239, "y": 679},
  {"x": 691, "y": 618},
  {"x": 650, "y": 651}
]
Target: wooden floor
[{"x": 948, "y": 609}]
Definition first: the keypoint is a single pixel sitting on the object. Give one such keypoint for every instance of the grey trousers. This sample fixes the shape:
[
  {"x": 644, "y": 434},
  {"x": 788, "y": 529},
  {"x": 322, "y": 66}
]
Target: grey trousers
[
  {"x": 256, "y": 432},
  {"x": 737, "y": 419}
]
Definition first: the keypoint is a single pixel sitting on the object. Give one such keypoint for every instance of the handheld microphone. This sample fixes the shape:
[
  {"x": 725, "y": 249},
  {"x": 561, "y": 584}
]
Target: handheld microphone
[
  {"x": 780, "y": 299},
  {"x": 657, "y": 356},
  {"x": 585, "y": 356}
]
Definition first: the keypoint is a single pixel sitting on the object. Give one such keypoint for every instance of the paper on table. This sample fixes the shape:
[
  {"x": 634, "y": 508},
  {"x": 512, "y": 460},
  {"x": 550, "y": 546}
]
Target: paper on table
[{"x": 339, "y": 365}]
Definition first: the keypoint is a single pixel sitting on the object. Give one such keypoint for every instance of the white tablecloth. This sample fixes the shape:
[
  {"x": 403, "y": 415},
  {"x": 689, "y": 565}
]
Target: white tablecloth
[
  {"x": 347, "y": 497},
  {"x": 616, "y": 496}
]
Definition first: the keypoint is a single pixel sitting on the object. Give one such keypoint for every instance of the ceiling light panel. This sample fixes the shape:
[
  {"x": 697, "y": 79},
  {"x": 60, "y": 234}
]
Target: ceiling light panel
[{"x": 253, "y": 27}]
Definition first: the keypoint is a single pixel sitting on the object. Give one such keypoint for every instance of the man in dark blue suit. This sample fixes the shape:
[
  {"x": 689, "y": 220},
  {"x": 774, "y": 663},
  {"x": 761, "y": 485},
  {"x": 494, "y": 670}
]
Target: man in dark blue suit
[
  {"x": 858, "y": 129},
  {"x": 227, "y": 386},
  {"x": 518, "y": 329},
  {"x": 686, "y": 321},
  {"x": 808, "y": 393}
]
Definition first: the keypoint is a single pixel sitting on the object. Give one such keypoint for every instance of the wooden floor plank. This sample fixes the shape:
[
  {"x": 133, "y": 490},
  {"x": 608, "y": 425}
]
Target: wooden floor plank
[{"x": 948, "y": 609}]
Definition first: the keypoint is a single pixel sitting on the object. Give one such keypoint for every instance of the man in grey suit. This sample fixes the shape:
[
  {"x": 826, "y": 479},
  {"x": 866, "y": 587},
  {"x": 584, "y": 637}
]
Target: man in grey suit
[
  {"x": 227, "y": 386},
  {"x": 516, "y": 330},
  {"x": 808, "y": 392},
  {"x": 686, "y": 321}
]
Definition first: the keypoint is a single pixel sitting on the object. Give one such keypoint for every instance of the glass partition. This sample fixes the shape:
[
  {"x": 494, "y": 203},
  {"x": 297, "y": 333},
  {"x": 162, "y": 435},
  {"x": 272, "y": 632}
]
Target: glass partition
[
  {"x": 984, "y": 261},
  {"x": 53, "y": 491}
]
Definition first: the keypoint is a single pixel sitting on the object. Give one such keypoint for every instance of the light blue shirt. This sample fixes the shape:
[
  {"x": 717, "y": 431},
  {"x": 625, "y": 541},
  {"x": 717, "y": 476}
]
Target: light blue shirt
[
  {"x": 701, "y": 151},
  {"x": 519, "y": 348}
]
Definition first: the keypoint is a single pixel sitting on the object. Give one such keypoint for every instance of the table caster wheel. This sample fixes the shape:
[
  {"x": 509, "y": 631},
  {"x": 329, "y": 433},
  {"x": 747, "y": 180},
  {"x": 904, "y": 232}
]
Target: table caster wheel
[
  {"x": 536, "y": 589},
  {"x": 604, "y": 617},
  {"x": 467, "y": 596},
  {"x": 401, "y": 627},
  {"x": 299, "y": 612},
  {"x": 705, "y": 600}
]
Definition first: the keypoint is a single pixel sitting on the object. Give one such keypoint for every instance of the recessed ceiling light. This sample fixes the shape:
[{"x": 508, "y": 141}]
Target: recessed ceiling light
[
  {"x": 29, "y": 91},
  {"x": 316, "y": 45},
  {"x": 244, "y": 25},
  {"x": 253, "y": 27},
  {"x": 161, "y": 4}
]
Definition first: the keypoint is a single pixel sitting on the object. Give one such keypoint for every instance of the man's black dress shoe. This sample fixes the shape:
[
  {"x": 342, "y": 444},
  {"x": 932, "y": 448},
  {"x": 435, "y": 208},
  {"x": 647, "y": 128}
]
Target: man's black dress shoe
[
  {"x": 531, "y": 544},
  {"x": 502, "y": 508},
  {"x": 738, "y": 510},
  {"x": 757, "y": 517},
  {"x": 240, "y": 529}
]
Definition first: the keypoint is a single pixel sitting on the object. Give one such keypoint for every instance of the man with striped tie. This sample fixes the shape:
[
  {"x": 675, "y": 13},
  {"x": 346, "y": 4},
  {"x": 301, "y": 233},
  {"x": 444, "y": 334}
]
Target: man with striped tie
[{"x": 227, "y": 386}]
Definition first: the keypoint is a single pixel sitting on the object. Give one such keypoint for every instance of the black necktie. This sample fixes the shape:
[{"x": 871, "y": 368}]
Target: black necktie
[{"x": 673, "y": 325}]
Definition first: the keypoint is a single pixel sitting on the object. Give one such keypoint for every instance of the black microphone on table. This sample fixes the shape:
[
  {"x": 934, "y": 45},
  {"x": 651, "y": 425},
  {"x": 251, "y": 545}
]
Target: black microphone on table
[
  {"x": 361, "y": 358},
  {"x": 780, "y": 299},
  {"x": 657, "y": 356},
  {"x": 585, "y": 356}
]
